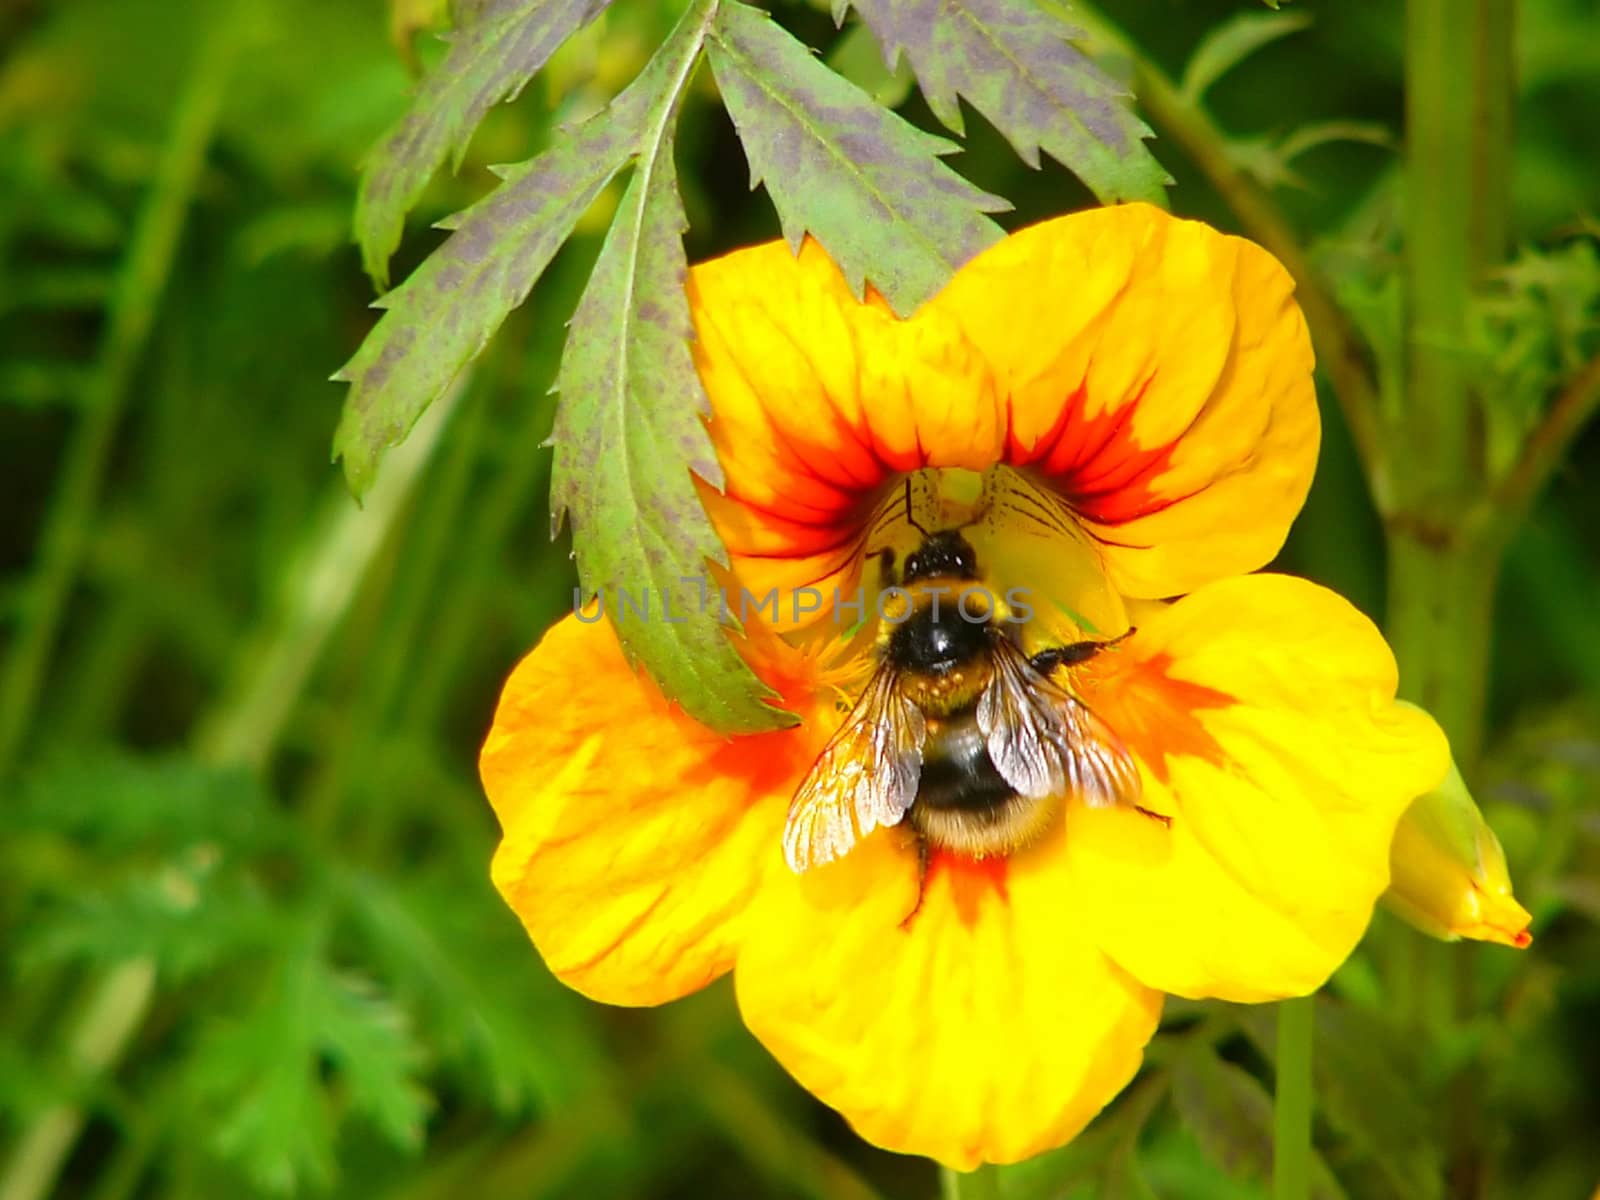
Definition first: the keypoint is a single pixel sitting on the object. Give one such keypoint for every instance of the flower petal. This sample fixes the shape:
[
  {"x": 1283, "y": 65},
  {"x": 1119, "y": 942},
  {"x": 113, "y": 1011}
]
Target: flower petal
[
  {"x": 1158, "y": 374},
  {"x": 818, "y": 401},
  {"x": 1262, "y": 712},
  {"x": 980, "y": 1027},
  {"x": 631, "y": 833}
]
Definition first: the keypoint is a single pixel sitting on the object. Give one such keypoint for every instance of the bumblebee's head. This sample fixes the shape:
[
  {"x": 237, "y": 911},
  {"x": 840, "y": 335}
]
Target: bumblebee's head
[{"x": 945, "y": 553}]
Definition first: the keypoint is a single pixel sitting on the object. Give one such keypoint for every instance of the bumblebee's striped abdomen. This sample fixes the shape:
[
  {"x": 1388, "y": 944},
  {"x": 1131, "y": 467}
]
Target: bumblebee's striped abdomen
[
  {"x": 963, "y": 803},
  {"x": 957, "y": 771}
]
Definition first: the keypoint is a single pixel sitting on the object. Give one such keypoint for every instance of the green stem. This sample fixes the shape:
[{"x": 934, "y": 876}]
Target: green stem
[
  {"x": 1445, "y": 539},
  {"x": 1291, "y": 1130},
  {"x": 1440, "y": 253},
  {"x": 982, "y": 1184},
  {"x": 1441, "y": 596}
]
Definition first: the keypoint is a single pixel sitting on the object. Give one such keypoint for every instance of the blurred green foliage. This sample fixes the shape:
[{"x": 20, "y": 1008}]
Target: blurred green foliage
[{"x": 251, "y": 943}]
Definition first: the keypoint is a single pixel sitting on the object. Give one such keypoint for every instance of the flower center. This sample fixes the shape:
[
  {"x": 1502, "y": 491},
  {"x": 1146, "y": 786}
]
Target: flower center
[{"x": 1033, "y": 563}]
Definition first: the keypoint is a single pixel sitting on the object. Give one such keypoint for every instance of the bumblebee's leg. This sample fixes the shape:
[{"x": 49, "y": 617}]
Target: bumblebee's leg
[
  {"x": 924, "y": 851},
  {"x": 1071, "y": 654},
  {"x": 886, "y": 567},
  {"x": 1166, "y": 821}
]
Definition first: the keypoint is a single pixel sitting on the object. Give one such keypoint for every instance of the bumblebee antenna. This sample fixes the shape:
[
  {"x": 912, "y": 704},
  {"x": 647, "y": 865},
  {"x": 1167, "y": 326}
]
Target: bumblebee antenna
[{"x": 911, "y": 520}]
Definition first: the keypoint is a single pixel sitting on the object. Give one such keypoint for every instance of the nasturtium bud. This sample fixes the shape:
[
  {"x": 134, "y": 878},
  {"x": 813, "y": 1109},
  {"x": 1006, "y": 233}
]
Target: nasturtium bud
[{"x": 1448, "y": 873}]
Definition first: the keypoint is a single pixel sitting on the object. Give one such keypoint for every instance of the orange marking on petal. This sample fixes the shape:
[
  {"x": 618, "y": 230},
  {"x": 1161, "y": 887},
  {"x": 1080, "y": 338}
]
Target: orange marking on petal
[
  {"x": 1058, "y": 448},
  {"x": 1126, "y": 492},
  {"x": 1155, "y": 715},
  {"x": 969, "y": 880},
  {"x": 1094, "y": 463},
  {"x": 1084, "y": 447},
  {"x": 773, "y": 761}
]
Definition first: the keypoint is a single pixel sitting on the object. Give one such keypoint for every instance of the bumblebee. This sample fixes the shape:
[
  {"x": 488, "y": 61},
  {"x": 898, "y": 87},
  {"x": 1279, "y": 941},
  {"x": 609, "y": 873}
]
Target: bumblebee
[{"x": 958, "y": 731}]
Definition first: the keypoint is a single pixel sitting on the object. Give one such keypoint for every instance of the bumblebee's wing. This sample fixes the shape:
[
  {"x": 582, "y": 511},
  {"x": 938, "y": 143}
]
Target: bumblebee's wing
[
  {"x": 1044, "y": 741},
  {"x": 866, "y": 776}
]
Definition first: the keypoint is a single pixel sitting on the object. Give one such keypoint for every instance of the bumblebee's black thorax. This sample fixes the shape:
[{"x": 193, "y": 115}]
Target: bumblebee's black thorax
[
  {"x": 931, "y": 643},
  {"x": 944, "y": 553},
  {"x": 940, "y": 635}
]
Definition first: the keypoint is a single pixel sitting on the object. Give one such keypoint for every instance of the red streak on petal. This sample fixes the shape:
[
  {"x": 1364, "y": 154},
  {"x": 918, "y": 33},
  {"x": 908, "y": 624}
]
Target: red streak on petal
[
  {"x": 1126, "y": 492},
  {"x": 833, "y": 480},
  {"x": 772, "y": 762},
  {"x": 1155, "y": 715},
  {"x": 969, "y": 880},
  {"x": 1523, "y": 940},
  {"x": 1094, "y": 463},
  {"x": 1068, "y": 420}
]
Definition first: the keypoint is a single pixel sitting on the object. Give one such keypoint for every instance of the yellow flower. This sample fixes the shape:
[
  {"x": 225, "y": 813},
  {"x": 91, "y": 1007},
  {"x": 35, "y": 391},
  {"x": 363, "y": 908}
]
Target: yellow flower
[
  {"x": 1132, "y": 396},
  {"x": 1152, "y": 373}
]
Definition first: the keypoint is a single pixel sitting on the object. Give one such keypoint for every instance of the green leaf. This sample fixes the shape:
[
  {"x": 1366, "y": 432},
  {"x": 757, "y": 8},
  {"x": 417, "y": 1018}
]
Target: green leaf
[
  {"x": 256, "y": 1076},
  {"x": 43, "y": 383},
  {"x": 867, "y": 185},
  {"x": 269, "y": 1076},
  {"x": 1230, "y": 1115},
  {"x": 499, "y": 46},
  {"x": 1366, "y": 1090},
  {"x": 370, "y": 1044},
  {"x": 1361, "y": 260},
  {"x": 1016, "y": 65},
  {"x": 1230, "y": 43},
  {"x": 629, "y": 429},
  {"x": 443, "y": 314},
  {"x": 1551, "y": 563},
  {"x": 1067, "y": 1172}
]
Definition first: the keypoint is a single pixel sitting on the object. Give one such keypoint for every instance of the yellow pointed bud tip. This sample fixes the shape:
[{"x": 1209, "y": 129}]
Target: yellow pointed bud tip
[{"x": 1499, "y": 919}]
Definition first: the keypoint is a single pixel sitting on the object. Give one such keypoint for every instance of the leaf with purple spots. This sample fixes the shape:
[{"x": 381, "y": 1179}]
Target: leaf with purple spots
[
  {"x": 867, "y": 185},
  {"x": 498, "y": 46},
  {"x": 441, "y": 317},
  {"x": 1016, "y": 65},
  {"x": 629, "y": 432}
]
